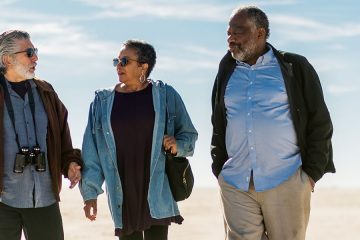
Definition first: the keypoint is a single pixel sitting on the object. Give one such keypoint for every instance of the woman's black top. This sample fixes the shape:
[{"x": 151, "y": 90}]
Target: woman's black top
[{"x": 132, "y": 122}]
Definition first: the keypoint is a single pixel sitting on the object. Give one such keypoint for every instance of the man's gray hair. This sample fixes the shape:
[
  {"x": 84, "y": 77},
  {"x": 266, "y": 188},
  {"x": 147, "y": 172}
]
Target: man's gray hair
[
  {"x": 8, "y": 44},
  {"x": 256, "y": 15}
]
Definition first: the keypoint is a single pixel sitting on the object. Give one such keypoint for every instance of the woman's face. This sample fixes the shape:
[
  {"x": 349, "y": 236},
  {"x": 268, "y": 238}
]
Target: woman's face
[{"x": 132, "y": 70}]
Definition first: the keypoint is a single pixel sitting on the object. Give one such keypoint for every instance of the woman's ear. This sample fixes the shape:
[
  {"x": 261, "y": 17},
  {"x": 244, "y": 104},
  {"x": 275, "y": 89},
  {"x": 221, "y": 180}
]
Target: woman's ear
[{"x": 144, "y": 67}]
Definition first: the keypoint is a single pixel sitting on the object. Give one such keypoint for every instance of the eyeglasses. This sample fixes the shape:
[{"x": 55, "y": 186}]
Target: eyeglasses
[
  {"x": 122, "y": 61},
  {"x": 30, "y": 52}
]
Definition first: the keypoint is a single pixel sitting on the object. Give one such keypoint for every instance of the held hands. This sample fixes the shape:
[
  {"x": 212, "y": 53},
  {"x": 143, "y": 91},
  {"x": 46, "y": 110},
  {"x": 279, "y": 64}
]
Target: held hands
[
  {"x": 74, "y": 174},
  {"x": 90, "y": 205},
  {"x": 169, "y": 143}
]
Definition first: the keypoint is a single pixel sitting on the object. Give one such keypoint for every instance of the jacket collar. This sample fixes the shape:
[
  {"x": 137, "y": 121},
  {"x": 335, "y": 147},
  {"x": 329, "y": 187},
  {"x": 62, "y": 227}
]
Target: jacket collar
[
  {"x": 40, "y": 84},
  {"x": 285, "y": 65},
  {"x": 105, "y": 93}
]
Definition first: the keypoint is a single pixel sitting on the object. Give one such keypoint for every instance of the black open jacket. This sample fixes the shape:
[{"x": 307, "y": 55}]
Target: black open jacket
[{"x": 310, "y": 115}]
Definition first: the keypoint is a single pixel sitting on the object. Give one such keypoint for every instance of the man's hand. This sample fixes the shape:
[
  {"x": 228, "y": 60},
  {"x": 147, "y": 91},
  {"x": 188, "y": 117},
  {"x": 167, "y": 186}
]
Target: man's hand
[
  {"x": 90, "y": 206},
  {"x": 74, "y": 174}
]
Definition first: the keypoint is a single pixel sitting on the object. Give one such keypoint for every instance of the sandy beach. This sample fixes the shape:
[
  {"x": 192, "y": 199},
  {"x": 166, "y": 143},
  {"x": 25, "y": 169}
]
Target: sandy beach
[{"x": 335, "y": 215}]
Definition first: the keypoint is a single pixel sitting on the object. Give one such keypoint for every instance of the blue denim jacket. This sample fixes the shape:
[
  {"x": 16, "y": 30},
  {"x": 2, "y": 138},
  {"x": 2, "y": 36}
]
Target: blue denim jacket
[{"x": 99, "y": 152}]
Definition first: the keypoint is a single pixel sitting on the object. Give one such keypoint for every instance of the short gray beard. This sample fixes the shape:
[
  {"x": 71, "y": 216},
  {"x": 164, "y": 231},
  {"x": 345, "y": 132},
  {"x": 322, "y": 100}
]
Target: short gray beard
[
  {"x": 245, "y": 53},
  {"x": 23, "y": 70}
]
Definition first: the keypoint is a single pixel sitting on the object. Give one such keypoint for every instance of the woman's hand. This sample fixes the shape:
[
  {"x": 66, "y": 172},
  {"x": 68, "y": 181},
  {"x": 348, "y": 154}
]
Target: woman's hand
[{"x": 169, "y": 143}]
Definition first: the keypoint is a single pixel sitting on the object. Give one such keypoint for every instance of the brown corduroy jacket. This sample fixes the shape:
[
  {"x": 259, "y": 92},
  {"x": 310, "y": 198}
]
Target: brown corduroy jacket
[{"x": 60, "y": 152}]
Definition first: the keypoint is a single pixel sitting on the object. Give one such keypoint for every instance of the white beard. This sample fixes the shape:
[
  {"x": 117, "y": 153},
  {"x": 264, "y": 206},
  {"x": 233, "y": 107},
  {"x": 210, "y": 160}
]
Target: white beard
[{"x": 23, "y": 70}]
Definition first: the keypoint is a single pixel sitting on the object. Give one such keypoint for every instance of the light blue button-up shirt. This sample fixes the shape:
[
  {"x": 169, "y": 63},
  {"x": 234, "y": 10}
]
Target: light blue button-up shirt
[
  {"x": 31, "y": 188},
  {"x": 260, "y": 136}
]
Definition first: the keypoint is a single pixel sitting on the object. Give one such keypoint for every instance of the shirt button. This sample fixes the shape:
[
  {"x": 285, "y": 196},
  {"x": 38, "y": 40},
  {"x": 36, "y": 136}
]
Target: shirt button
[
  {"x": 250, "y": 131},
  {"x": 249, "y": 98},
  {"x": 107, "y": 133},
  {"x": 252, "y": 148},
  {"x": 248, "y": 114}
]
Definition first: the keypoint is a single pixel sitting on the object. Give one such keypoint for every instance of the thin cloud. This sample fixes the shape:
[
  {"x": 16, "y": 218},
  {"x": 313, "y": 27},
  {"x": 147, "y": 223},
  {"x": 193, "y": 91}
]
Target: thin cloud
[
  {"x": 337, "y": 89},
  {"x": 337, "y": 46},
  {"x": 188, "y": 10},
  {"x": 6, "y": 3},
  {"x": 200, "y": 50},
  {"x": 302, "y": 29},
  {"x": 162, "y": 9},
  {"x": 55, "y": 38},
  {"x": 62, "y": 39},
  {"x": 328, "y": 65},
  {"x": 168, "y": 63},
  {"x": 296, "y": 28},
  {"x": 271, "y": 2}
]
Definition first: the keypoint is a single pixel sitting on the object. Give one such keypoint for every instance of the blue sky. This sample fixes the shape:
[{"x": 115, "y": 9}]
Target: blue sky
[{"x": 77, "y": 40}]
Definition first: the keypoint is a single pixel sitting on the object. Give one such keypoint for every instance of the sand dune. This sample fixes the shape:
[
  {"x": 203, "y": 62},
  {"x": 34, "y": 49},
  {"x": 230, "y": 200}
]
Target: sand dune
[{"x": 335, "y": 215}]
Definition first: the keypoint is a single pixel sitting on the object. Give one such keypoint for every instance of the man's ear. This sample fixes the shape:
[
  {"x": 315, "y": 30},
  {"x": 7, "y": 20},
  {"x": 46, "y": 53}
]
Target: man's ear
[
  {"x": 261, "y": 33},
  {"x": 6, "y": 60}
]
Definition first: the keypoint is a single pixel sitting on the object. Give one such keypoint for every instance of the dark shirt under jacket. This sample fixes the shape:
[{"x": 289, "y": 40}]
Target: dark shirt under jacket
[
  {"x": 20, "y": 88},
  {"x": 132, "y": 121}
]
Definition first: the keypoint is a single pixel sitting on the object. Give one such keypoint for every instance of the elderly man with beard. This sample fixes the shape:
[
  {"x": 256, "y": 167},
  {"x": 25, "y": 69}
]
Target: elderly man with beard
[
  {"x": 35, "y": 146},
  {"x": 271, "y": 134}
]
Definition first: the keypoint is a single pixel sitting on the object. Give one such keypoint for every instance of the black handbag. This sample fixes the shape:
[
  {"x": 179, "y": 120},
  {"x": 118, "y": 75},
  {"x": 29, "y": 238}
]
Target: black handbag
[
  {"x": 181, "y": 178},
  {"x": 178, "y": 169}
]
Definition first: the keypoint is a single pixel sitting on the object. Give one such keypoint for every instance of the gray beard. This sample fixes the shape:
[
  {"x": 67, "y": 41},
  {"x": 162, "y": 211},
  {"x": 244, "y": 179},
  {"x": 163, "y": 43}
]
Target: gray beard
[
  {"x": 239, "y": 56},
  {"x": 245, "y": 53},
  {"x": 23, "y": 71}
]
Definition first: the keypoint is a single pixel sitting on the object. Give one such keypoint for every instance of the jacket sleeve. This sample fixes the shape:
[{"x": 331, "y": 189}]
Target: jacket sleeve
[
  {"x": 184, "y": 130},
  {"x": 218, "y": 148},
  {"x": 319, "y": 127},
  {"x": 68, "y": 153},
  {"x": 92, "y": 173}
]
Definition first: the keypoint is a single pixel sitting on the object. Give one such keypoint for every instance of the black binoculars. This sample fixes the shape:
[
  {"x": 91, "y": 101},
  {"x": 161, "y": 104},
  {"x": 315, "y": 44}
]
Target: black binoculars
[{"x": 34, "y": 157}]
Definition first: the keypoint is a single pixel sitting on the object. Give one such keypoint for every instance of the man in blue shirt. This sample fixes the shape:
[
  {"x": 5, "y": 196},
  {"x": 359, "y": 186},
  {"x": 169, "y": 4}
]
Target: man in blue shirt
[
  {"x": 271, "y": 134},
  {"x": 35, "y": 146}
]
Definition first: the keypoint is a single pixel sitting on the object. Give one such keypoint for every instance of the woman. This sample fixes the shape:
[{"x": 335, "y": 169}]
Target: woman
[{"x": 124, "y": 146}]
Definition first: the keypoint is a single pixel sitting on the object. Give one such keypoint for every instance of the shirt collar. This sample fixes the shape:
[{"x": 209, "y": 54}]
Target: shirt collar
[{"x": 266, "y": 58}]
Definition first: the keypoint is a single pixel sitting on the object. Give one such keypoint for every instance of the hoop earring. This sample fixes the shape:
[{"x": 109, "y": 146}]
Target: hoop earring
[{"x": 142, "y": 78}]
